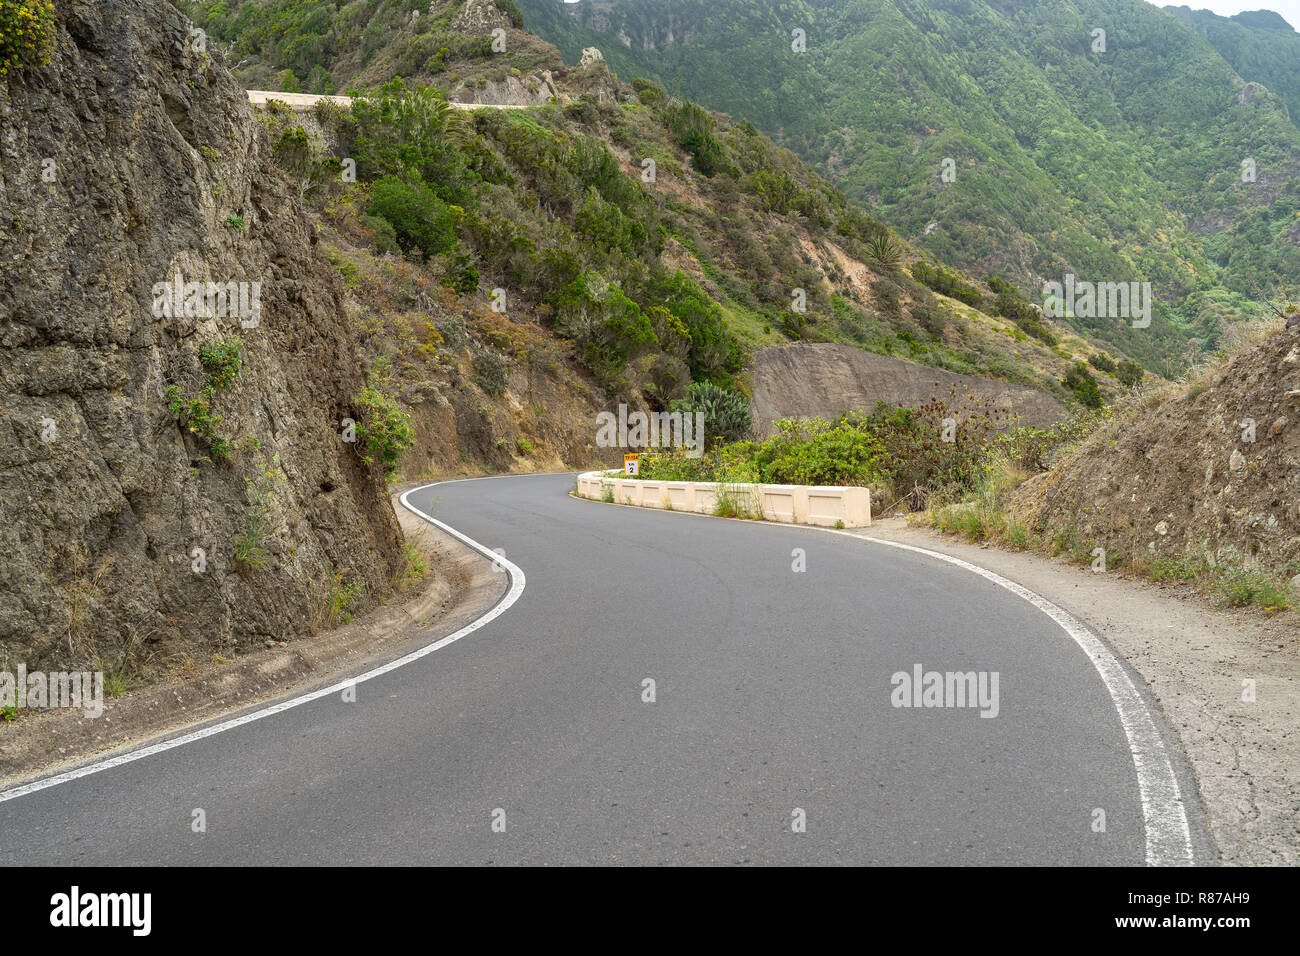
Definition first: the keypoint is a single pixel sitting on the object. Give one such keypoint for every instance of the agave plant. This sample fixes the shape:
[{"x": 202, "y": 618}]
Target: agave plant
[{"x": 882, "y": 248}]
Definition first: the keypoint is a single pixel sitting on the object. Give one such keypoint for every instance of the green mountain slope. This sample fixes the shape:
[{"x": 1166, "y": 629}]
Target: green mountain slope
[
  {"x": 1117, "y": 164},
  {"x": 1260, "y": 45},
  {"x": 633, "y": 236}
]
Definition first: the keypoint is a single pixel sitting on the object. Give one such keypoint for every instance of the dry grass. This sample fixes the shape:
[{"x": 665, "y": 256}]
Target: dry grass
[
  {"x": 84, "y": 593},
  {"x": 1235, "y": 339},
  {"x": 414, "y": 565}
]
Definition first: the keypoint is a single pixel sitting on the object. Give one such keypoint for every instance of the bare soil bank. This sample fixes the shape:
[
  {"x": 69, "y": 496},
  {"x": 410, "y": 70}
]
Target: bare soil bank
[{"x": 824, "y": 379}]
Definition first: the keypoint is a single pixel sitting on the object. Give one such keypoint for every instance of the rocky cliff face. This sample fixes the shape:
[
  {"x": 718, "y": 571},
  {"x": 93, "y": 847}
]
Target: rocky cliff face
[
  {"x": 137, "y": 529},
  {"x": 824, "y": 379}
]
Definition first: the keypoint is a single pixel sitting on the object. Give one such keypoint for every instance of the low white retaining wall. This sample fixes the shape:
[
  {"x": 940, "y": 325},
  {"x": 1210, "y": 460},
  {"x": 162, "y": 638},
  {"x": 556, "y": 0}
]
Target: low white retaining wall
[
  {"x": 301, "y": 102},
  {"x": 823, "y": 505}
]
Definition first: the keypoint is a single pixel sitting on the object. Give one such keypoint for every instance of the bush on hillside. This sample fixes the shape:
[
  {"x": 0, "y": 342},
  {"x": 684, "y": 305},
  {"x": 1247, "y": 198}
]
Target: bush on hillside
[
  {"x": 422, "y": 222},
  {"x": 1082, "y": 386},
  {"x": 726, "y": 414}
]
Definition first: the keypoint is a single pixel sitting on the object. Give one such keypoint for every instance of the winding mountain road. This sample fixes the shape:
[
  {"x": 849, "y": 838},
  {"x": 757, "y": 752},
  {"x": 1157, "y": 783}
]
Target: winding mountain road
[{"x": 772, "y": 704}]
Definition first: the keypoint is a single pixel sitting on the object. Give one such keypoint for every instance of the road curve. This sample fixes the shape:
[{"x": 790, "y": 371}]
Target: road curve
[{"x": 772, "y": 706}]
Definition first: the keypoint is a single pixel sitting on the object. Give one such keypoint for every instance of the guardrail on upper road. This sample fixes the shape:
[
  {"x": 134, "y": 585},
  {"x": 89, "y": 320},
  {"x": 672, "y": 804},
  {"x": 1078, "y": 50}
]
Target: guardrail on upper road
[{"x": 302, "y": 102}]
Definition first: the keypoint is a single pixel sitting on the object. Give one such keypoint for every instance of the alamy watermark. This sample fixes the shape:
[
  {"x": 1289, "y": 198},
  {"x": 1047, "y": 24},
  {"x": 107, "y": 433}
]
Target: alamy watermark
[
  {"x": 209, "y": 300},
  {"x": 129, "y": 910},
  {"x": 922, "y": 688},
  {"x": 1101, "y": 300},
  {"x": 39, "y": 690},
  {"x": 651, "y": 430}
]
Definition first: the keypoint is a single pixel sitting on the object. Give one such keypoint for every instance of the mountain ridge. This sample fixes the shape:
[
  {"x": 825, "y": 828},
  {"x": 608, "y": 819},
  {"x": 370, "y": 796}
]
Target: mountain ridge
[{"x": 1122, "y": 164}]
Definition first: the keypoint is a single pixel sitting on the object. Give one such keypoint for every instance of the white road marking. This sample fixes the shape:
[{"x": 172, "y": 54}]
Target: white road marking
[
  {"x": 1164, "y": 815},
  {"x": 1168, "y": 836},
  {"x": 517, "y": 582}
]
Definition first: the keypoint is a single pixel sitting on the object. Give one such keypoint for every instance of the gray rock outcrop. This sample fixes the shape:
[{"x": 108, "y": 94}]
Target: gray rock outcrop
[{"x": 131, "y": 159}]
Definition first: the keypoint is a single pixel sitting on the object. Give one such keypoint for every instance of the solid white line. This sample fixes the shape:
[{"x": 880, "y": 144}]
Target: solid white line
[
  {"x": 517, "y": 581},
  {"x": 1164, "y": 815},
  {"x": 1168, "y": 837}
]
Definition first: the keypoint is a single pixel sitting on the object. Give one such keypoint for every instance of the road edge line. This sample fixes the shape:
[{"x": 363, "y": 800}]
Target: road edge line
[
  {"x": 1164, "y": 813},
  {"x": 517, "y": 583},
  {"x": 1167, "y": 833}
]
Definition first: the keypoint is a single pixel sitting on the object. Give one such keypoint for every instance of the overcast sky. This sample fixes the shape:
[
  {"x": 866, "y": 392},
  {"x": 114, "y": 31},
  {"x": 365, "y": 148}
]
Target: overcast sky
[{"x": 1290, "y": 9}]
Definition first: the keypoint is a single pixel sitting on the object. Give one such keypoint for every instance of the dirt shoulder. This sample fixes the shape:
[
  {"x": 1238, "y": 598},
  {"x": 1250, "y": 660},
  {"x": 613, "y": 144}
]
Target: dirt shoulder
[
  {"x": 459, "y": 588},
  {"x": 1195, "y": 659}
]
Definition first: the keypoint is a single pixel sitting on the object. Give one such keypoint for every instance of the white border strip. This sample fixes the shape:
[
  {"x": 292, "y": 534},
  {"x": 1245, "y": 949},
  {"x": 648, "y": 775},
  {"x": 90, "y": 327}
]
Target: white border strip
[
  {"x": 1164, "y": 815},
  {"x": 1168, "y": 837},
  {"x": 517, "y": 582}
]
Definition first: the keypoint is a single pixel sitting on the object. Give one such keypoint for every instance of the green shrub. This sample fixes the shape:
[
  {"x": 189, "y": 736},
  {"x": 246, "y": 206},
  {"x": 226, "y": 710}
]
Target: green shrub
[
  {"x": 412, "y": 134},
  {"x": 453, "y": 332},
  {"x": 1014, "y": 306},
  {"x": 385, "y": 234},
  {"x": 1177, "y": 568},
  {"x": 712, "y": 352},
  {"x": 726, "y": 414},
  {"x": 383, "y": 427},
  {"x": 935, "y": 450},
  {"x": 693, "y": 127},
  {"x": 1240, "y": 587},
  {"x": 1082, "y": 385},
  {"x": 422, "y": 222},
  {"x": 490, "y": 371},
  {"x": 801, "y": 453},
  {"x": 461, "y": 276},
  {"x": 648, "y": 92},
  {"x": 222, "y": 362},
  {"x": 931, "y": 318},
  {"x": 26, "y": 34},
  {"x": 818, "y": 453},
  {"x": 1102, "y": 362},
  {"x": 942, "y": 281},
  {"x": 1037, "y": 449},
  {"x": 1129, "y": 373}
]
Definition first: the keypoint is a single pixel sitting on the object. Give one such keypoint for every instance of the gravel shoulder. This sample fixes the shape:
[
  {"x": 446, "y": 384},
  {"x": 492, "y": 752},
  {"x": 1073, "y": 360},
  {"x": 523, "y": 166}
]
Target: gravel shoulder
[{"x": 1195, "y": 660}]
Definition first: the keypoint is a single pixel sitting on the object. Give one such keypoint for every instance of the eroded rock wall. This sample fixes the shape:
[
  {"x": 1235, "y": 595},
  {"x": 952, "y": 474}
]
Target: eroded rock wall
[{"x": 129, "y": 160}]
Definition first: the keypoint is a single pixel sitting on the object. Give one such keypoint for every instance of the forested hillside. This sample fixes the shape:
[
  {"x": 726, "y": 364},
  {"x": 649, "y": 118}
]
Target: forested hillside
[
  {"x": 610, "y": 230},
  {"x": 1137, "y": 154},
  {"x": 1260, "y": 45}
]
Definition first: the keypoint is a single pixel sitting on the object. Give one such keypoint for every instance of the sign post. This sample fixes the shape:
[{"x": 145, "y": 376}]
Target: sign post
[{"x": 631, "y": 465}]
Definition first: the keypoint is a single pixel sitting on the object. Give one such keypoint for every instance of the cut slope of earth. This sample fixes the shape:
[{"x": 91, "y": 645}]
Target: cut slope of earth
[
  {"x": 1208, "y": 477},
  {"x": 823, "y": 380},
  {"x": 173, "y": 478}
]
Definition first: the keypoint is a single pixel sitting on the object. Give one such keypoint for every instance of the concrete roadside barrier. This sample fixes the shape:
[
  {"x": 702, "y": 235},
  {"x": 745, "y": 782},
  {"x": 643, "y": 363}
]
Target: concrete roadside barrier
[{"x": 826, "y": 506}]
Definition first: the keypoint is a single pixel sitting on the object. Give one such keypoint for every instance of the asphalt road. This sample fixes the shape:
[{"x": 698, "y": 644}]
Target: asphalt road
[{"x": 772, "y": 696}]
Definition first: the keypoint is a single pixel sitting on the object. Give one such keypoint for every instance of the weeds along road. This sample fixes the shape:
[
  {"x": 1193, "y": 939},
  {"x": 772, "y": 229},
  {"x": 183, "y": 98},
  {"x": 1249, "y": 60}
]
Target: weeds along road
[{"x": 773, "y": 693}]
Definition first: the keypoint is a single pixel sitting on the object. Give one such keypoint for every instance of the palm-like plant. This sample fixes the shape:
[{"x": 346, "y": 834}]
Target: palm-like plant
[{"x": 882, "y": 248}]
